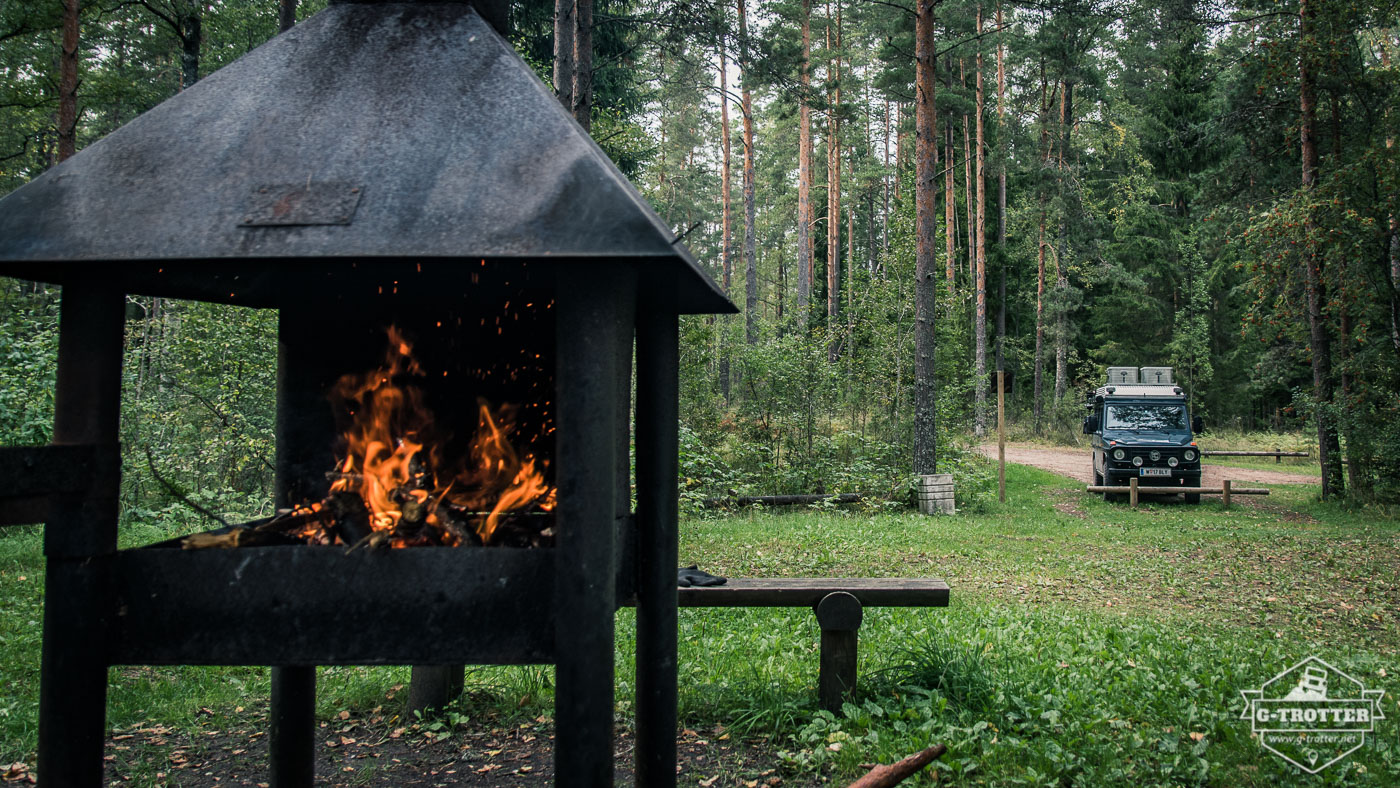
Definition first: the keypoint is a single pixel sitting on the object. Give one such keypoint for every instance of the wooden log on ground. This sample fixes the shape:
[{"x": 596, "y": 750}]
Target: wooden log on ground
[
  {"x": 781, "y": 500},
  {"x": 887, "y": 775}
]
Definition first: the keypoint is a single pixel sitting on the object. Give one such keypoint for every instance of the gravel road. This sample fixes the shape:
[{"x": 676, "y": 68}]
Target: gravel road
[{"x": 1077, "y": 464}]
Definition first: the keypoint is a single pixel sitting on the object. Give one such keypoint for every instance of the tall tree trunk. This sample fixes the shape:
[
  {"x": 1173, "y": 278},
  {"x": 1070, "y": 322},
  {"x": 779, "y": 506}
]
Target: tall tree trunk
[
  {"x": 833, "y": 192},
  {"x": 968, "y": 191},
  {"x": 1001, "y": 191},
  {"x": 750, "y": 209},
  {"x": 980, "y": 322},
  {"x": 1038, "y": 389},
  {"x": 885, "y": 177},
  {"x": 925, "y": 233},
  {"x": 804, "y": 174},
  {"x": 286, "y": 15},
  {"x": 1328, "y": 443},
  {"x": 564, "y": 27},
  {"x": 1393, "y": 230},
  {"x": 583, "y": 63},
  {"x": 191, "y": 38},
  {"x": 727, "y": 208},
  {"x": 1061, "y": 274},
  {"x": 950, "y": 208},
  {"x": 68, "y": 83},
  {"x": 899, "y": 152}
]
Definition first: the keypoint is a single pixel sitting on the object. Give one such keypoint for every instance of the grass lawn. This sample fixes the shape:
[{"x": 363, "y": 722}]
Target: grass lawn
[{"x": 1086, "y": 644}]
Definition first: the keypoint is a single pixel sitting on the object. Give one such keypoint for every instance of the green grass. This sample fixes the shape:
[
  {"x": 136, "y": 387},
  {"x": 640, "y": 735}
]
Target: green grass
[{"x": 1086, "y": 644}]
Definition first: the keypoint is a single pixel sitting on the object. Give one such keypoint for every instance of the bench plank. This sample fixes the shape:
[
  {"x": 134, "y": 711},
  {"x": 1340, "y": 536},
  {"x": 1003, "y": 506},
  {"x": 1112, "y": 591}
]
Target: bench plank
[{"x": 808, "y": 591}]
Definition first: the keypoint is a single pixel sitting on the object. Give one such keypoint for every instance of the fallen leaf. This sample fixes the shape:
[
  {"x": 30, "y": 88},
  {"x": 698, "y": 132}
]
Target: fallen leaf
[
  {"x": 344, "y": 715},
  {"x": 1197, "y": 735},
  {"x": 346, "y": 740},
  {"x": 709, "y": 782}
]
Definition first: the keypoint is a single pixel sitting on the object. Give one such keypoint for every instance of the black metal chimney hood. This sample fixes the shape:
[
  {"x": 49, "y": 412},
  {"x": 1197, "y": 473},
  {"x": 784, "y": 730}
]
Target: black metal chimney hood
[{"x": 371, "y": 131}]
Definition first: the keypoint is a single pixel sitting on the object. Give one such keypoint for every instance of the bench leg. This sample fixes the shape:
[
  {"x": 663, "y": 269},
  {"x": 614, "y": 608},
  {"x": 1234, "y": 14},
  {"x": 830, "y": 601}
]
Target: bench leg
[{"x": 839, "y": 615}]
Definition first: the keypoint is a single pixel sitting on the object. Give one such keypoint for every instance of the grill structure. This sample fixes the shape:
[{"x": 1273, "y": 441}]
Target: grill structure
[{"x": 380, "y": 163}]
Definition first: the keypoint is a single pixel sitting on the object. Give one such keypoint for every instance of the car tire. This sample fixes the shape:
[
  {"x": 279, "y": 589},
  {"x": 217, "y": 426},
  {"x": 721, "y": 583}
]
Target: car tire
[
  {"x": 1098, "y": 479},
  {"x": 1192, "y": 497}
]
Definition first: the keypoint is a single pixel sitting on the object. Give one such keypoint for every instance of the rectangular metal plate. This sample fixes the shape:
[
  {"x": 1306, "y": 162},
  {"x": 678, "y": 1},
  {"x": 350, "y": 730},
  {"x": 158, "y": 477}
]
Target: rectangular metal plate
[
  {"x": 320, "y": 606},
  {"x": 1155, "y": 472},
  {"x": 311, "y": 202}
]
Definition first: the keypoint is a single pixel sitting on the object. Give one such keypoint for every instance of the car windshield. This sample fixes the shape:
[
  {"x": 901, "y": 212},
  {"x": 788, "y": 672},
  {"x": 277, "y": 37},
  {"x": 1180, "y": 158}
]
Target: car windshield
[{"x": 1146, "y": 416}]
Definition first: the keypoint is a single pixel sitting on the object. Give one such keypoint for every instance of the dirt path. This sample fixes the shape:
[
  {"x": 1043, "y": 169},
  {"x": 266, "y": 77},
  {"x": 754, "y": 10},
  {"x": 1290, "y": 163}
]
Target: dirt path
[{"x": 1076, "y": 464}]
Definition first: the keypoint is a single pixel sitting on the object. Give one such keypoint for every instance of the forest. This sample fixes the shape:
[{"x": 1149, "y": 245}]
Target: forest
[{"x": 901, "y": 197}]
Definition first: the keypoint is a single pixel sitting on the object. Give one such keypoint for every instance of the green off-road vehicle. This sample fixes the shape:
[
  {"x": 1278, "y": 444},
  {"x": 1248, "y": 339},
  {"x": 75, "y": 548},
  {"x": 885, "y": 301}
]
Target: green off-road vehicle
[{"x": 1142, "y": 428}]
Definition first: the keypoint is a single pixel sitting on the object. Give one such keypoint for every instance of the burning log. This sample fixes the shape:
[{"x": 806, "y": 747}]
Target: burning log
[
  {"x": 886, "y": 775},
  {"x": 349, "y": 518}
]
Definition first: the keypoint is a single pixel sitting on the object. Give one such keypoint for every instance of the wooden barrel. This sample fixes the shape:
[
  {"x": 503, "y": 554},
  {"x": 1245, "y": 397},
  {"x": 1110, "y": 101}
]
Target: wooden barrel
[{"x": 936, "y": 493}]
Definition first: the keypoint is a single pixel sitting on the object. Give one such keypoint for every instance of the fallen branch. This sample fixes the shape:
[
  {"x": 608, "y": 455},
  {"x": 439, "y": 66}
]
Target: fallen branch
[
  {"x": 180, "y": 496},
  {"x": 884, "y": 776}
]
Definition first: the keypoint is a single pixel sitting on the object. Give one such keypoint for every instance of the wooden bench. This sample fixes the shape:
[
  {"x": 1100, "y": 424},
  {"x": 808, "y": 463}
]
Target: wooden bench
[{"x": 839, "y": 603}]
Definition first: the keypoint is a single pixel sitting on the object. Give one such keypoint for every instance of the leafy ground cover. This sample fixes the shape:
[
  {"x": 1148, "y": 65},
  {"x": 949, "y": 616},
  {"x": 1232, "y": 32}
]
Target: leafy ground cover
[{"x": 1087, "y": 644}]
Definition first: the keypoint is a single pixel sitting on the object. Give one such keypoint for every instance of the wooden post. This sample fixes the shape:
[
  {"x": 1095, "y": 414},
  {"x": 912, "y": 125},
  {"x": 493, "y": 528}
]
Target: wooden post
[
  {"x": 839, "y": 615},
  {"x": 1278, "y": 456},
  {"x": 1001, "y": 435},
  {"x": 1132, "y": 492},
  {"x": 1225, "y": 494}
]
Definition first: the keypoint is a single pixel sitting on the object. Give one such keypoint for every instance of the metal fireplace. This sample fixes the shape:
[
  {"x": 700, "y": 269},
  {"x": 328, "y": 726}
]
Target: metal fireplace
[{"x": 381, "y": 164}]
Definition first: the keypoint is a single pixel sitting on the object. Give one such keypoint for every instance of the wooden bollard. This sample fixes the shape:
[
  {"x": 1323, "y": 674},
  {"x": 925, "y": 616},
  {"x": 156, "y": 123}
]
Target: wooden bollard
[
  {"x": 1132, "y": 492},
  {"x": 1225, "y": 494},
  {"x": 1278, "y": 457}
]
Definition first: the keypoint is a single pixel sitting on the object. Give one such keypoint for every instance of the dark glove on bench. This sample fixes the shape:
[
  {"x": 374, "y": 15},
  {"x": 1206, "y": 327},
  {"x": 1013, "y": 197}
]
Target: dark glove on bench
[{"x": 691, "y": 576}]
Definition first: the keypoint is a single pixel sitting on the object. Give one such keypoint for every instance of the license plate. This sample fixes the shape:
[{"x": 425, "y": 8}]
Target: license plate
[{"x": 1155, "y": 472}]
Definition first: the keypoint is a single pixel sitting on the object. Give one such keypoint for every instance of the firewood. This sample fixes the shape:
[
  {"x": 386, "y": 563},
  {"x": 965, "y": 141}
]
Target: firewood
[
  {"x": 349, "y": 517},
  {"x": 237, "y": 537},
  {"x": 884, "y": 776}
]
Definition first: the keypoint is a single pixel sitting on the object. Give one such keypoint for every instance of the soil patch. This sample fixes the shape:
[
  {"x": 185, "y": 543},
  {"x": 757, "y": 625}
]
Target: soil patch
[{"x": 364, "y": 750}]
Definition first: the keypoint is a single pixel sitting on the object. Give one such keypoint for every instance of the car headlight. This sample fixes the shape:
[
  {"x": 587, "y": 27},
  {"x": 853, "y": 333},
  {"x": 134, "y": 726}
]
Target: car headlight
[
  {"x": 1172, "y": 461},
  {"x": 1119, "y": 454},
  {"x": 1137, "y": 460},
  {"x": 1156, "y": 455},
  {"x": 1190, "y": 455}
]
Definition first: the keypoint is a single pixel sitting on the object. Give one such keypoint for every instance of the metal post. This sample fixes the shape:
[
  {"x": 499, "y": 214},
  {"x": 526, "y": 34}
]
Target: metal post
[
  {"x": 432, "y": 687},
  {"x": 1001, "y": 435},
  {"x": 658, "y": 386},
  {"x": 1132, "y": 492},
  {"x": 304, "y": 430},
  {"x": 80, "y": 530},
  {"x": 1225, "y": 494},
  {"x": 292, "y": 723},
  {"x": 594, "y": 317}
]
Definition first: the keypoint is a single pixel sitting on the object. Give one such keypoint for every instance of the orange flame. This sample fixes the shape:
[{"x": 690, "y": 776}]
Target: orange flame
[{"x": 387, "y": 466}]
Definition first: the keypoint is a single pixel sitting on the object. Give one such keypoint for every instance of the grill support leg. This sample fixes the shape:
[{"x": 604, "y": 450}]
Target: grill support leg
[
  {"x": 595, "y": 326},
  {"x": 657, "y": 515},
  {"x": 432, "y": 687},
  {"x": 291, "y": 741},
  {"x": 80, "y": 532}
]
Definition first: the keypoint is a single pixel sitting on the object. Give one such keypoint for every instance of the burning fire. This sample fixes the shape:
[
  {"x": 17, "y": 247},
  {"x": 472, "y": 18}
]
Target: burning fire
[{"x": 395, "y": 464}]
